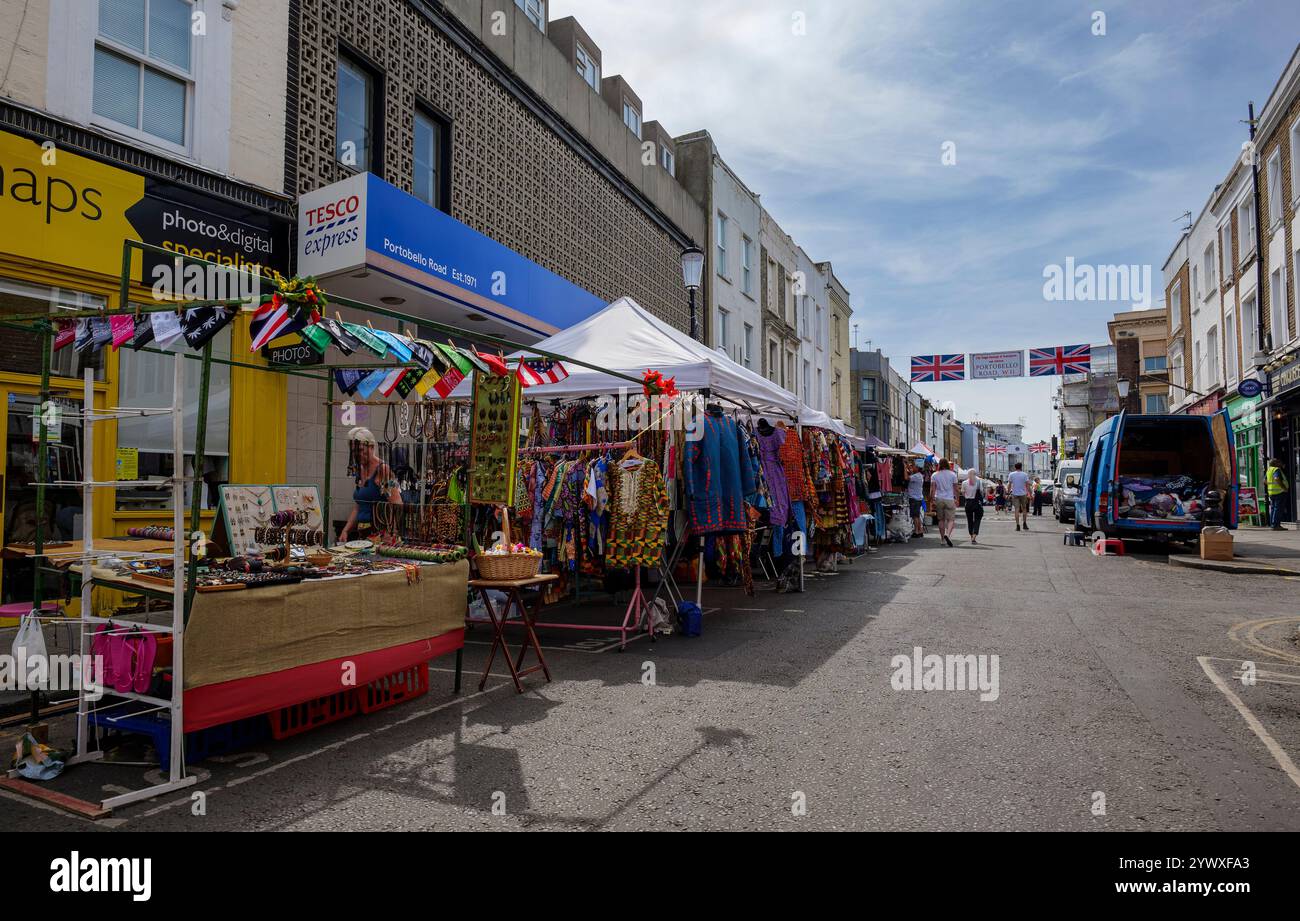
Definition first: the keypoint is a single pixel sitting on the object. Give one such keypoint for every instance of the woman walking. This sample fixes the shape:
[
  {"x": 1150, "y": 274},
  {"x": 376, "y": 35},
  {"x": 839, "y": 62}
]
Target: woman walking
[
  {"x": 973, "y": 501},
  {"x": 1000, "y": 498}
]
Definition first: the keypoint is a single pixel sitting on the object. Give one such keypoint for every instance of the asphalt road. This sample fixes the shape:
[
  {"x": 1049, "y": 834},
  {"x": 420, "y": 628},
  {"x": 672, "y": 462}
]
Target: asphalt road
[{"x": 783, "y": 715}]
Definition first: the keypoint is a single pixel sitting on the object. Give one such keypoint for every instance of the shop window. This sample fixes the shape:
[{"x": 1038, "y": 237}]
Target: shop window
[
  {"x": 142, "y": 69},
  {"x": 20, "y": 352},
  {"x": 145, "y": 381},
  {"x": 431, "y": 182},
  {"x": 356, "y": 133}
]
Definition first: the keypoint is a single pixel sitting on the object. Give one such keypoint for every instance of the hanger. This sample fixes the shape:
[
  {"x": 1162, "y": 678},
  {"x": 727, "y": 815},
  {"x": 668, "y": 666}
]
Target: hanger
[{"x": 632, "y": 453}]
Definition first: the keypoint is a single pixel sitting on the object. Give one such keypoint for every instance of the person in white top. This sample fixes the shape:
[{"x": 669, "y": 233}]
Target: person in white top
[
  {"x": 973, "y": 502},
  {"x": 943, "y": 497},
  {"x": 1020, "y": 496}
]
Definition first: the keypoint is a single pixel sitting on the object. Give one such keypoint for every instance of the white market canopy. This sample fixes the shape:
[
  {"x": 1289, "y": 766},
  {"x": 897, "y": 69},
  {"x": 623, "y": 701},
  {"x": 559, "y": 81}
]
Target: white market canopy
[{"x": 626, "y": 338}]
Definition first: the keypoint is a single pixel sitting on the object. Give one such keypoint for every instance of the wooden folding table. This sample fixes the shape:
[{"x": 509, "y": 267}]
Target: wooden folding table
[{"x": 513, "y": 589}]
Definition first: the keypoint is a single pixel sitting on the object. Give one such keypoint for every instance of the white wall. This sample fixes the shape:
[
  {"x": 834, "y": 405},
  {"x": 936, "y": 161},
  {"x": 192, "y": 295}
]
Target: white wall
[
  {"x": 1207, "y": 373},
  {"x": 741, "y": 305}
]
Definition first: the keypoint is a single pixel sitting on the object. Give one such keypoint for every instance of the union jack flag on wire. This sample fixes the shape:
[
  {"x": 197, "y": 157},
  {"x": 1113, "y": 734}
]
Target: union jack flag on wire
[
  {"x": 1060, "y": 359},
  {"x": 996, "y": 449},
  {"x": 934, "y": 368},
  {"x": 1040, "y": 448},
  {"x": 533, "y": 371}
]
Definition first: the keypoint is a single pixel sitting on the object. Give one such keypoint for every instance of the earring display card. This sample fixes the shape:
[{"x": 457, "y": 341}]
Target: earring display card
[
  {"x": 247, "y": 508},
  {"x": 299, "y": 499},
  {"x": 494, "y": 439}
]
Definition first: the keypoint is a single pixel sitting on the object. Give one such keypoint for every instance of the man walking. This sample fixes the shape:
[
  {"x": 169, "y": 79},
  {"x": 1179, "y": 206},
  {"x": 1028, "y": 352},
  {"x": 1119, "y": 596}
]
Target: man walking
[
  {"x": 1278, "y": 487},
  {"x": 943, "y": 497},
  {"x": 916, "y": 499},
  {"x": 1020, "y": 496}
]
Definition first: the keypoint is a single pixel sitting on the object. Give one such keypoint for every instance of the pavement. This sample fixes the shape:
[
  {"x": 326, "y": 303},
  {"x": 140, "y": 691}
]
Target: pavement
[
  {"x": 1117, "y": 707},
  {"x": 1256, "y": 551}
]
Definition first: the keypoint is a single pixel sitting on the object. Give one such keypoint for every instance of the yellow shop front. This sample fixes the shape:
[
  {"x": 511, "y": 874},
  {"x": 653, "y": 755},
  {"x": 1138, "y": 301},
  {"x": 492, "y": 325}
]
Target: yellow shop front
[{"x": 65, "y": 216}]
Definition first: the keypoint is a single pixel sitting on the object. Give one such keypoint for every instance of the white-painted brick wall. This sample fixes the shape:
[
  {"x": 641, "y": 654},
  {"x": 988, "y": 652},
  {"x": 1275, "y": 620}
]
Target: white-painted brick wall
[{"x": 22, "y": 68}]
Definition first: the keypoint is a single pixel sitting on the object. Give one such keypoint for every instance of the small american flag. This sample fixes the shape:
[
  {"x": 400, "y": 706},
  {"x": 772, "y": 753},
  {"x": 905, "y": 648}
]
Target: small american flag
[
  {"x": 534, "y": 371},
  {"x": 934, "y": 368},
  {"x": 1061, "y": 359}
]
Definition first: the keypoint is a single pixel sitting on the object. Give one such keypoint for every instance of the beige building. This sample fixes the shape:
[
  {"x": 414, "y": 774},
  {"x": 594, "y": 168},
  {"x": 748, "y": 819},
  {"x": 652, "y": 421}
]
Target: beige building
[
  {"x": 842, "y": 402},
  {"x": 1141, "y": 340}
]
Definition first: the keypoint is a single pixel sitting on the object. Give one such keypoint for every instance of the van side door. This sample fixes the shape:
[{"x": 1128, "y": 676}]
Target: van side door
[{"x": 1225, "y": 465}]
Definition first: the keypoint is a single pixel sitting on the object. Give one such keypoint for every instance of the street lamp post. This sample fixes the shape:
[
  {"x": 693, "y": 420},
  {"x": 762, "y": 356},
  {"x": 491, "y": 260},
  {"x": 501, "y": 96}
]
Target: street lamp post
[{"x": 692, "y": 276}]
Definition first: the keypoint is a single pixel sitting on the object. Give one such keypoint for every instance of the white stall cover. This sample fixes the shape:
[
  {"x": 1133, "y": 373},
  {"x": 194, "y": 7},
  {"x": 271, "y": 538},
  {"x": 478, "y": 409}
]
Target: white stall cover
[{"x": 627, "y": 338}]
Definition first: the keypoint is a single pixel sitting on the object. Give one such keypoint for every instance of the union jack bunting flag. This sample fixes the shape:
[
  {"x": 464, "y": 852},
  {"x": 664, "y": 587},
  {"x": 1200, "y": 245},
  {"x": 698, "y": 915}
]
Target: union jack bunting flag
[
  {"x": 1040, "y": 448},
  {"x": 933, "y": 368},
  {"x": 1061, "y": 359},
  {"x": 996, "y": 449},
  {"x": 534, "y": 371}
]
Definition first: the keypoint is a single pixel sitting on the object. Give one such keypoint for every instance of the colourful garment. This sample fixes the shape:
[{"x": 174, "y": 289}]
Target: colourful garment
[
  {"x": 719, "y": 479},
  {"x": 769, "y": 448},
  {"x": 797, "y": 483},
  {"x": 638, "y": 510}
]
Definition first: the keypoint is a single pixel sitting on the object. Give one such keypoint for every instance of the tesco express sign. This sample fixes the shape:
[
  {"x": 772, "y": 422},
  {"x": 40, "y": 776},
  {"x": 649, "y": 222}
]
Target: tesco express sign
[{"x": 332, "y": 227}]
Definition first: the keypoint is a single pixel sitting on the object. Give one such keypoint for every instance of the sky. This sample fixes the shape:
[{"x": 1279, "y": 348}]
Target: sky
[{"x": 1066, "y": 143}]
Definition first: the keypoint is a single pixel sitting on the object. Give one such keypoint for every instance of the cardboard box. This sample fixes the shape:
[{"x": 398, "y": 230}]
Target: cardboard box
[{"x": 1216, "y": 545}]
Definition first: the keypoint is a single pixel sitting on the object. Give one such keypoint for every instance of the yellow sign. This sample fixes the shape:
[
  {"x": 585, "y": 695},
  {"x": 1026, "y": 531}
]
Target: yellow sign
[
  {"x": 128, "y": 464},
  {"x": 64, "y": 209}
]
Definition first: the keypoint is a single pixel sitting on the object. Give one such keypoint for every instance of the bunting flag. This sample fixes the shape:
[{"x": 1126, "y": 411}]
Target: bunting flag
[
  {"x": 274, "y": 319},
  {"x": 366, "y": 336},
  {"x": 66, "y": 335},
  {"x": 934, "y": 368},
  {"x": 401, "y": 347},
  {"x": 995, "y": 449},
  {"x": 1060, "y": 359},
  {"x": 123, "y": 326},
  {"x": 389, "y": 383},
  {"x": 367, "y": 385},
  {"x": 348, "y": 378},
  {"x": 166, "y": 327},
  {"x": 495, "y": 364},
  {"x": 201, "y": 324},
  {"x": 1040, "y": 448},
  {"x": 534, "y": 371}
]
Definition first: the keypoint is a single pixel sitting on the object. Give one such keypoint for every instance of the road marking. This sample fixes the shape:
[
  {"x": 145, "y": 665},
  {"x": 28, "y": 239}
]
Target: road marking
[
  {"x": 1251, "y": 639},
  {"x": 1279, "y": 754}
]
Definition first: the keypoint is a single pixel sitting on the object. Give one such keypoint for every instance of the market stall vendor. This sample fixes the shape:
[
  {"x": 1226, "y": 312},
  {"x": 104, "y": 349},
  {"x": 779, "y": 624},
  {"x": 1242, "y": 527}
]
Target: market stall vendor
[{"x": 376, "y": 490}]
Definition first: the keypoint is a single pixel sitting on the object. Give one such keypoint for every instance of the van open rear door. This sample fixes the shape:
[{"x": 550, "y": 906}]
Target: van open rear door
[
  {"x": 1225, "y": 465},
  {"x": 1109, "y": 484}
]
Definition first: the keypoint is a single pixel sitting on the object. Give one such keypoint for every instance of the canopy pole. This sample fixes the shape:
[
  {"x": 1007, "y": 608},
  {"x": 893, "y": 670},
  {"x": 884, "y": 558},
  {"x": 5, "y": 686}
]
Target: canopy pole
[
  {"x": 327, "y": 519},
  {"x": 42, "y": 474},
  {"x": 196, "y": 497}
]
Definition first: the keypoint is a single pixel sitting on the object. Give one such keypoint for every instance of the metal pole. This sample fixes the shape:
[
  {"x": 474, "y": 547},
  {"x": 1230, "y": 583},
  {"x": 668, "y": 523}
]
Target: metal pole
[
  {"x": 327, "y": 519},
  {"x": 1262, "y": 343},
  {"x": 42, "y": 462},
  {"x": 694, "y": 324},
  {"x": 200, "y": 439}
]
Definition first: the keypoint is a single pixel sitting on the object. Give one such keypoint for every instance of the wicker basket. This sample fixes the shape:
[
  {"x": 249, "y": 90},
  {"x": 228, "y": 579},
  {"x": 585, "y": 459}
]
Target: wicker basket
[{"x": 507, "y": 567}]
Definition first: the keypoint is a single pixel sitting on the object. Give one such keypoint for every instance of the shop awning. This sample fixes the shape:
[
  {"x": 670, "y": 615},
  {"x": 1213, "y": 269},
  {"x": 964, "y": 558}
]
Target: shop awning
[{"x": 626, "y": 338}]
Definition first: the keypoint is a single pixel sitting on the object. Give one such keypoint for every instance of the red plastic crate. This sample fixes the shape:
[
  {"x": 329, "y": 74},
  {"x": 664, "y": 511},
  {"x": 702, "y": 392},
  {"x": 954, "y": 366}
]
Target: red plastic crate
[
  {"x": 300, "y": 718},
  {"x": 394, "y": 689}
]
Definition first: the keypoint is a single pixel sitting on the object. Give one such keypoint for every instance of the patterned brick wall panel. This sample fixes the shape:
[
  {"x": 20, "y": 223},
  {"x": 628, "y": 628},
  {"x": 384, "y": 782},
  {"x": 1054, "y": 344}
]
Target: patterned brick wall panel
[{"x": 512, "y": 177}]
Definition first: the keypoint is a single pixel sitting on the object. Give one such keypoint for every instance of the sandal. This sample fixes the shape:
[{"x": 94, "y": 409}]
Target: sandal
[{"x": 145, "y": 655}]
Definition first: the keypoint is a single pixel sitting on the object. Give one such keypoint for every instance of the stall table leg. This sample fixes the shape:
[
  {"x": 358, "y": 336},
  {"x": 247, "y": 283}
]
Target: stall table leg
[{"x": 514, "y": 600}]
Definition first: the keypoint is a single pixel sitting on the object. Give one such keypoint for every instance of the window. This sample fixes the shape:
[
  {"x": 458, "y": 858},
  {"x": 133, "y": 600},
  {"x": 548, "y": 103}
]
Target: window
[
  {"x": 1212, "y": 356},
  {"x": 724, "y": 331},
  {"x": 535, "y": 10},
  {"x": 1226, "y": 266},
  {"x": 1249, "y": 328},
  {"x": 773, "y": 362},
  {"x": 20, "y": 352},
  {"x": 1175, "y": 305},
  {"x": 818, "y": 392},
  {"x": 1295, "y": 160},
  {"x": 1196, "y": 289},
  {"x": 632, "y": 118},
  {"x": 431, "y": 182},
  {"x": 807, "y": 382},
  {"x": 1156, "y": 404},
  {"x": 145, "y": 379},
  {"x": 749, "y": 346},
  {"x": 817, "y": 329},
  {"x": 869, "y": 389},
  {"x": 667, "y": 160},
  {"x": 143, "y": 67},
  {"x": 1198, "y": 379},
  {"x": 1275, "y": 189},
  {"x": 803, "y": 316},
  {"x": 747, "y": 265},
  {"x": 1207, "y": 269},
  {"x": 722, "y": 244},
  {"x": 1277, "y": 306},
  {"x": 1230, "y": 347},
  {"x": 355, "y": 126},
  {"x": 1154, "y": 364},
  {"x": 588, "y": 69},
  {"x": 1246, "y": 228}
]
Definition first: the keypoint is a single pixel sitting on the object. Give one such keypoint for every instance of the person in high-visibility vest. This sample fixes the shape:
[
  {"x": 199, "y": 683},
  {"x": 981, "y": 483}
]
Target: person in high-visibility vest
[{"x": 1278, "y": 486}]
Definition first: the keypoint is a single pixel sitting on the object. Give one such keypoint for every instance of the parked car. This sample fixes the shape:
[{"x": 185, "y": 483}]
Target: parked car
[
  {"x": 1152, "y": 476},
  {"x": 1068, "y": 475}
]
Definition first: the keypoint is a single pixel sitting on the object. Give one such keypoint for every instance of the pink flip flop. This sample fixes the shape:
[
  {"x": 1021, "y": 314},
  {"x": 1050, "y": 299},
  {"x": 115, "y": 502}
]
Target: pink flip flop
[
  {"x": 101, "y": 661},
  {"x": 146, "y": 653},
  {"x": 122, "y": 655}
]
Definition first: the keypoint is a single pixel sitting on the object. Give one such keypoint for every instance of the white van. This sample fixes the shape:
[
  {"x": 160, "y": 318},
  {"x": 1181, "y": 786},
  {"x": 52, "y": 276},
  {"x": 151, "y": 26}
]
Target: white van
[{"x": 1068, "y": 476}]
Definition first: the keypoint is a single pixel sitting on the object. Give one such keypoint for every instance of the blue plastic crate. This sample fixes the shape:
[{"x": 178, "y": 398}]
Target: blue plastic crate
[{"x": 199, "y": 745}]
